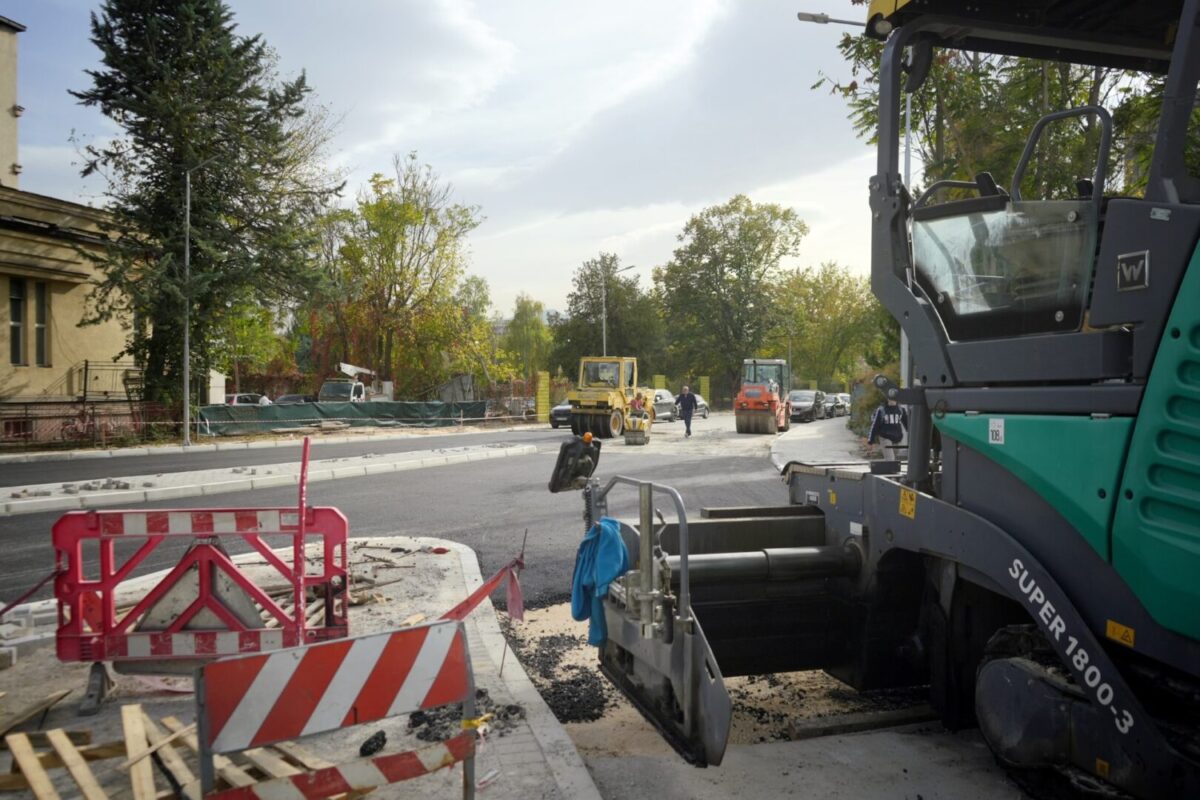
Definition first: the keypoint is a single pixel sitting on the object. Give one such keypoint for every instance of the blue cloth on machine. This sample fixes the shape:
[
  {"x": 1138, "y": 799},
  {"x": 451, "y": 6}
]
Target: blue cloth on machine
[{"x": 602, "y": 558}]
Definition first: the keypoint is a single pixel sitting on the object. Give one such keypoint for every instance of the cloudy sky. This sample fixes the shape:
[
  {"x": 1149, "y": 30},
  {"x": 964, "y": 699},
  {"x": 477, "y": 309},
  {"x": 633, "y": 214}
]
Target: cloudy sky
[{"x": 576, "y": 127}]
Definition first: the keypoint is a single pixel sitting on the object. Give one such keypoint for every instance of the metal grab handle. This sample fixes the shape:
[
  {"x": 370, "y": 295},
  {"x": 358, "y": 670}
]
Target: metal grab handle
[
  {"x": 946, "y": 184},
  {"x": 1106, "y": 126},
  {"x": 685, "y": 605}
]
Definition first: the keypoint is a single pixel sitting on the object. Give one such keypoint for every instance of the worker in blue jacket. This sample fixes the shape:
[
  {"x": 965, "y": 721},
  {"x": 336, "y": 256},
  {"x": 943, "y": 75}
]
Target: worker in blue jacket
[
  {"x": 602, "y": 558},
  {"x": 889, "y": 422}
]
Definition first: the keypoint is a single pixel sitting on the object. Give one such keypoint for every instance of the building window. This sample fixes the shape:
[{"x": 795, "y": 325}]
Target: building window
[
  {"x": 16, "y": 320},
  {"x": 41, "y": 316}
]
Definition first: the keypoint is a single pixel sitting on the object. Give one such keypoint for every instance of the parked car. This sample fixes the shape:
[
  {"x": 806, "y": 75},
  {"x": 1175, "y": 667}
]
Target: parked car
[
  {"x": 561, "y": 415},
  {"x": 665, "y": 409},
  {"x": 291, "y": 399},
  {"x": 807, "y": 405},
  {"x": 243, "y": 399},
  {"x": 845, "y": 402},
  {"x": 701, "y": 406},
  {"x": 834, "y": 407}
]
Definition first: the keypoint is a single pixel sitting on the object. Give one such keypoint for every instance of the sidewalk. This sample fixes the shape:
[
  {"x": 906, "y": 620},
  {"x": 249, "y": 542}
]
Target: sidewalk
[
  {"x": 821, "y": 440},
  {"x": 529, "y": 748},
  {"x": 134, "y": 489}
]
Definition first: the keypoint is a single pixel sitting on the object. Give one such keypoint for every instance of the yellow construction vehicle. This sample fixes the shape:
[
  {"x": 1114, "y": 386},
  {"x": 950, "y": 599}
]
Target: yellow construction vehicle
[{"x": 601, "y": 401}]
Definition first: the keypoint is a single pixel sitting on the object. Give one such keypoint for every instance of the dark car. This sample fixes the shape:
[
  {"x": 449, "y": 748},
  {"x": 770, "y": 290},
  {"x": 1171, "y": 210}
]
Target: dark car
[
  {"x": 701, "y": 406},
  {"x": 560, "y": 415},
  {"x": 807, "y": 405},
  {"x": 664, "y": 406},
  {"x": 289, "y": 399}
]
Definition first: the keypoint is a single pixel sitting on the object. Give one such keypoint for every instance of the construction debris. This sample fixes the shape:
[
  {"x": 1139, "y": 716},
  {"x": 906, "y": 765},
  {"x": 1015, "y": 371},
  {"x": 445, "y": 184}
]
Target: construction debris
[{"x": 156, "y": 762}]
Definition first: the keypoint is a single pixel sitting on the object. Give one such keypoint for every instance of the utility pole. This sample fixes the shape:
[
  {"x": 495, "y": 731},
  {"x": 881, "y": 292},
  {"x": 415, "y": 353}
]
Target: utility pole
[
  {"x": 825, "y": 19},
  {"x": 187, "y": 301},
  {"x": 604, "y": 306}
]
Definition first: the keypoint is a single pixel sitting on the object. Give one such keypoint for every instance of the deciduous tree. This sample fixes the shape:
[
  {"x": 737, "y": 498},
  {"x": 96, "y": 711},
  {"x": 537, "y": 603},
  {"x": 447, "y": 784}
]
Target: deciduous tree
[
  {"x": 635, "y": 326},
  {"x": 527, "y": 335},
  {"x": 717, "y": 290}
]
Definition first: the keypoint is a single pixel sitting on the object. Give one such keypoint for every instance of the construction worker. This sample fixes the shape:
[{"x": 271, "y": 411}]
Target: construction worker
[
  {"x": 687, "y": 407},
  {"x": 889, "y": 422}
]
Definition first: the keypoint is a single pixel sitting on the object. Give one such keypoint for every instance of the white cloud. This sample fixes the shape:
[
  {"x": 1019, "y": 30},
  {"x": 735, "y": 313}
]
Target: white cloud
[{"x": 577, "y": 128}]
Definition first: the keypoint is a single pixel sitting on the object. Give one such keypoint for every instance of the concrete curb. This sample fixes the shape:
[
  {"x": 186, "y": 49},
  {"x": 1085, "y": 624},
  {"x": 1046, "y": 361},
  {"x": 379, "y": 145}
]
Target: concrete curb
[
  {"x": 570, "y": 773},
  {"x": 34, "y": 505},
  {"x": 173, "y": 449}
]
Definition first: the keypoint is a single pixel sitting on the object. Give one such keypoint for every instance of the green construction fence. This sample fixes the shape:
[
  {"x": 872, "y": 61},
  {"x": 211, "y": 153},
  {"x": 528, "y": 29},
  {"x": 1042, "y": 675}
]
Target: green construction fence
[{"x": 233, "y": 420}]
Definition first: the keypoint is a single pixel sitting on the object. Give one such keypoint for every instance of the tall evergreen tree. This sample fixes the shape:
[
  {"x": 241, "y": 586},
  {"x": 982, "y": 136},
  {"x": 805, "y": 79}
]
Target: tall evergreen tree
[{"x": 189, "y": 93}]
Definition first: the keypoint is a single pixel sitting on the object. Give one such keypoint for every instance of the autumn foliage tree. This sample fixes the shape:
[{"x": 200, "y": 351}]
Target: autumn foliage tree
[{"x": 393, "y": 279}]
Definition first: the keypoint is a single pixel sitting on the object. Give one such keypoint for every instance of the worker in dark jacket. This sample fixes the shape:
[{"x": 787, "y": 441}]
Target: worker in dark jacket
[
  {"x": 687, "y": 407},
  {"x": 890, "y": 422}
]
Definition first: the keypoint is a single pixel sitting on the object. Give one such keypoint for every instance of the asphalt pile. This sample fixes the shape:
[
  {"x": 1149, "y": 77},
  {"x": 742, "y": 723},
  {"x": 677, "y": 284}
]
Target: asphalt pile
[
  {"x": 440, "y": 724},
  {"x": 562, "y": 666}
]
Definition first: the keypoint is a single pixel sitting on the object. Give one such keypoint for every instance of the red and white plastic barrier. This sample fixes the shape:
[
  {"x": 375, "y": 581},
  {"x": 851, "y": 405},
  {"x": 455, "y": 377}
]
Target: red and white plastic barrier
[
  {"x": 91, "y": 628},
  {"x": 360, "y": 775},
  {"x": 251, "y": 701}
]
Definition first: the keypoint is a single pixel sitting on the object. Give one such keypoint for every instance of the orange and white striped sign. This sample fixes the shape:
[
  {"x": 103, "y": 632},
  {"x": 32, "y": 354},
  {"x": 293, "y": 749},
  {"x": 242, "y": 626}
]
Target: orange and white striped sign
[{"x": 254, "y": 700}]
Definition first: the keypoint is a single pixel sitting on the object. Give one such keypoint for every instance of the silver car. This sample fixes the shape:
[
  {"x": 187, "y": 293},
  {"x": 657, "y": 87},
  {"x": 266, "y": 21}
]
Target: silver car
[{"x": 664, "y": 406}]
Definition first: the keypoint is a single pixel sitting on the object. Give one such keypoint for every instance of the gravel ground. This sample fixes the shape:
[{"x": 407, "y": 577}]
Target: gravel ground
[{"x": 554, "y": 651}]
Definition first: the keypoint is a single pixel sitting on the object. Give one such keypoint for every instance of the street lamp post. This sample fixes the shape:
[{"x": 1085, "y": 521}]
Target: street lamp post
[
  {"x": 825, "y": 19},
  {"x": 604, "y": 307},
  {"x": 187, "y": 300}
]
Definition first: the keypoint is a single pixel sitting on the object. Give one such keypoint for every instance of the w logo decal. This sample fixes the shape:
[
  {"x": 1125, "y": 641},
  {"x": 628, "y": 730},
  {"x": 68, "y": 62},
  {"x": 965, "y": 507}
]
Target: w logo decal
[{"x": 1133, "y": 271}]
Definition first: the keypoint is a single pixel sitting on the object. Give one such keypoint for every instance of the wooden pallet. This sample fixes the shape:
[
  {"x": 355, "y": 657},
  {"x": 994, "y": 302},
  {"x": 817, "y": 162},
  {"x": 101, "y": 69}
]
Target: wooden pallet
[{"x": 167, "y": 744}]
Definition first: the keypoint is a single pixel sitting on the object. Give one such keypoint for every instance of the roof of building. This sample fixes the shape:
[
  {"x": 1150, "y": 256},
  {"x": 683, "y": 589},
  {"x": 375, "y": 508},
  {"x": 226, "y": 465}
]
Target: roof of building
[{"x": 8, "y": 23}]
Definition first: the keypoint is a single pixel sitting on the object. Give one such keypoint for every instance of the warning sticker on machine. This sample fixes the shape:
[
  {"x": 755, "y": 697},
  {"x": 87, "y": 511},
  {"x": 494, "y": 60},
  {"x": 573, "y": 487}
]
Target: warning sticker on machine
[
  {"x": 1119, "y": 633},
  {"x": 996, "y": 431},
  {"x": 908, "y": 503}
]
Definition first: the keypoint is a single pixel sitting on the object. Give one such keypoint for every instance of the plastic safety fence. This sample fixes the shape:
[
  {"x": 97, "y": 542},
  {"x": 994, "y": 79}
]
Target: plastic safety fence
[
  {"x": 234, "y": 420},
  {"x": 206, "y": 606}
]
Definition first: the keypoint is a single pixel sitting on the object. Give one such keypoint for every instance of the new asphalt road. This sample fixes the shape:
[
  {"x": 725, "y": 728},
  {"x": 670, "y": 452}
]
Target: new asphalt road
[{"x": 487, "y": 505}]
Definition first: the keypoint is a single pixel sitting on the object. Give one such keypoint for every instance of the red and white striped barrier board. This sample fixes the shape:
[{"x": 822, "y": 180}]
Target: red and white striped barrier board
[
  {"x": 91, "y": 629},
  {"x": 250, "y": 701},
  {"x": 361, "y": 775}
]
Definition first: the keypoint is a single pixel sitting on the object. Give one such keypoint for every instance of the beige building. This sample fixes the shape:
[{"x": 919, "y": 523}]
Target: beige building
[{"x": 45, "y": 281}]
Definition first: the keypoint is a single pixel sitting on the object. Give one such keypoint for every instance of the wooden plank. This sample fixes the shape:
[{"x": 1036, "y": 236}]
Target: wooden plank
[
  {"x": 23, "y": 755},
  {"x": 272, "y": 764},
  {"x": 141, "y": 774},
  {"x": 80, "y": 771},
  {"x": 171, "y": 760},
  {"x": 232, "y": 773},
  {"x": 10, "y": 721},
  {"x": 301, "y": 757},
  {"x": 14, "y": 782},
  {"x": 38, "y": 739},
  {"x": 153, "y": 748}
]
